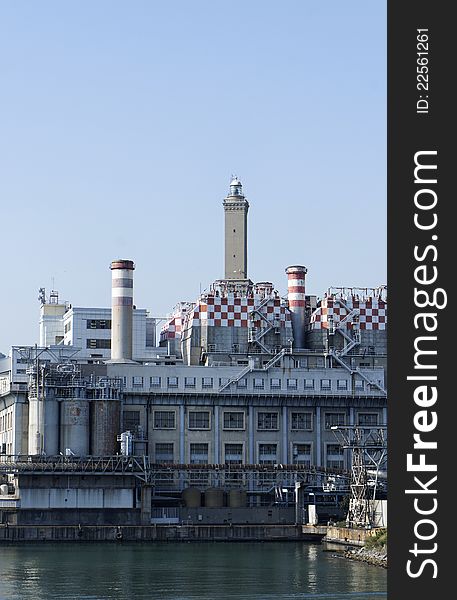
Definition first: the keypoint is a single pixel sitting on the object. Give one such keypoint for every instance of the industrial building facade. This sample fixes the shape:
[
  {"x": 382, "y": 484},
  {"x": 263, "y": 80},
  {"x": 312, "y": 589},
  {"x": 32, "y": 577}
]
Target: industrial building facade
[{"x": 241, "y": 376}]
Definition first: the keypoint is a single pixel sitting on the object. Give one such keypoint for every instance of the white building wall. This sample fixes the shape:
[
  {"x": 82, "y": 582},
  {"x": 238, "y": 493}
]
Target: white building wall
[
  {"x": 51, "y": 324},
  {"x": 77, "y": 332},
  {"x": 46, "y": 498}
]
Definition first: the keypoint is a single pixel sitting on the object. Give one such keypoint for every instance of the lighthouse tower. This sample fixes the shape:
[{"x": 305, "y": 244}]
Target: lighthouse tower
[{"x": 236, "y": 239}]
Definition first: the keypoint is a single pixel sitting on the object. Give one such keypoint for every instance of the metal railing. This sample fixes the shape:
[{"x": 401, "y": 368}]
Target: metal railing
[{"x": 172, "y": 477}]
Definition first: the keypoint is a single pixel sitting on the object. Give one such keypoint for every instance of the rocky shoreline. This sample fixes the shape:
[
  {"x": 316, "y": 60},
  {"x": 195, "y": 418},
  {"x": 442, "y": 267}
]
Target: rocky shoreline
[{"x": 377, "y": 557}]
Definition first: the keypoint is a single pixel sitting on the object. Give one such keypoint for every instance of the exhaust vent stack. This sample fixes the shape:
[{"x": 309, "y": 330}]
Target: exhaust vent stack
[
  {"x": 122, "y": 310},
  {"x": 296, "y": 296}
]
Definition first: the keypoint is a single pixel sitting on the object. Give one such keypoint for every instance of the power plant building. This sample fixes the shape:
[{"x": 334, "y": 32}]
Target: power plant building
[{"x": 240, "y": 376}]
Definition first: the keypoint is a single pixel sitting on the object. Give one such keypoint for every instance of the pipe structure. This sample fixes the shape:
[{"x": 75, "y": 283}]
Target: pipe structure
[
  {"x": 296, "y": 296},
  {"x": 122, "y": 310}
]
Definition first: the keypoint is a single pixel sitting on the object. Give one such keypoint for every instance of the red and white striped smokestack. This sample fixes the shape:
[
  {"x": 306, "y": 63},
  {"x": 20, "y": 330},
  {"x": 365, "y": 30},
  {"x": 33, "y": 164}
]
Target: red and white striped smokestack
[
  {"x": 122, "y": 309},
  {"x": 296, "y": 297}
]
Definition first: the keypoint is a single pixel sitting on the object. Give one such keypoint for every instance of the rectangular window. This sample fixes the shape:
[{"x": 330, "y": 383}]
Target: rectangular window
[
  {"x": 292, "y": 384},
  {"x": 301, "y": 421},
  {"x": 342, "y": 384},
  {"x": 98, "y": 324},
  {"x": 267, "y": 421},
  {"x": 334, "y": 450},
  {"x": 223, "y": 381},
  {"x": 359, "y": 384},
  {"x": 164, "y": 419},
  {"x": 267, "y": 454},
  {"x": 131, "y": 420},
  {"x": 368, "y": 419},
  {"x": 207, "y": 382},
  {"x": 233, "y": 454},
  {"x": 242, "y": 383},
  {"x": 309, "y": 384},
  {"x": 95, "y": 344},
  {"x": 334, "y": 419},
  {"x": 301, "y": 454},
  {"x": 233, "y": 420},
  {"x": 258, "y": 383},
  {"x": 155, "y": 381},
  {"x": 326, "y": 384},
  {"x": 164, "y": 453},
  {"x": 198, "y": 454},
  {"x": 67, "y": 327},
  {"x": 189, "y": 382},
  {"x": 275, "y": 383},
  {"x": 172, "y": 382},
  {"x": 199, "y": 419},
  {"x": 137, "y": 381}
]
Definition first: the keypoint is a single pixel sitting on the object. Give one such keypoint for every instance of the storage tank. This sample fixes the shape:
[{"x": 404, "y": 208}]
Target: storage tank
[
  {"x": 105, "y": 425},
  {"x": 192, "y": 497},
  {"x": 74, "y": 426},
  {"x": 51, "y": 427},
  {"x": 34, "y": 440},
  {"x": 43, "y": 432},
  {"x": 214, "y": 497},
  {"x": 237, "y": 498},
  {"x": 3, "y": 489}
]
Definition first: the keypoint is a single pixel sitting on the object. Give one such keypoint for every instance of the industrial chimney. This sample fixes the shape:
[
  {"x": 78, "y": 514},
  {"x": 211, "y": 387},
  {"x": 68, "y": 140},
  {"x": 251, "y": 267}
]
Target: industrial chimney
[
  {"x": 296, "y": 297},
  {"x": 122, "y": 310}
]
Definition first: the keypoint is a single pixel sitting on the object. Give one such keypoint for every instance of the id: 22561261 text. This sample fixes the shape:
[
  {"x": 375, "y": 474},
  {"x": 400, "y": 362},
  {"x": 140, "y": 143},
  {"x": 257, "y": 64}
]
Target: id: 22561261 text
[{"x": 422, "y": 104}]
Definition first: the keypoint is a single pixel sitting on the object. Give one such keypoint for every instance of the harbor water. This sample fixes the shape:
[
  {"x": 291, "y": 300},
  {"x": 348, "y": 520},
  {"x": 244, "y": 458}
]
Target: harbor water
[{"x": 185, "y": 571}]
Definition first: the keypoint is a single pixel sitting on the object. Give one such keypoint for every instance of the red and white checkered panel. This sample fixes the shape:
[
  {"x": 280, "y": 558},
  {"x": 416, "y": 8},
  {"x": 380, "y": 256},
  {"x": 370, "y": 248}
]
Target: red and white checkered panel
[
  {"x": 172, "y": 329},
  {"x": 234, "y": 312},
  {"x": 372, "y": 313}
]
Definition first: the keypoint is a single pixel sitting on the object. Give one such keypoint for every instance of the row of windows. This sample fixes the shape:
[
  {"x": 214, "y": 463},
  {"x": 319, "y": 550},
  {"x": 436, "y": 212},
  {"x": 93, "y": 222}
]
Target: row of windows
[
  {"x": 6, "y": 421},
  {"x": 173, "y": 382},
  {"x": 98, "y": 344},
  {"x": 98, "y": 324},
  {"x": 275, "y": 383},
  {"x": 235, "y": 420},
  {"x": 234, "y": 453}
]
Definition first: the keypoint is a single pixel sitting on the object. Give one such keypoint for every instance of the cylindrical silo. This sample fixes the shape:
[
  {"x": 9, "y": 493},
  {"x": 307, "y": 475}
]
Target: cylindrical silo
[
  {"x": 237, "y": 498},
  {"x": 122, "y": 309},
  {"x": 51, "y": 427},
  {"x": 34, "y": 441},
  {"x": 296, "y": 296},
  {"x": 74, "y": 427},
  {"x": 214, "y": 497},
  {"x": 105, "y": 425},
  {"x": 192, "y": 497},
  {"x": 43, "y": 433}
]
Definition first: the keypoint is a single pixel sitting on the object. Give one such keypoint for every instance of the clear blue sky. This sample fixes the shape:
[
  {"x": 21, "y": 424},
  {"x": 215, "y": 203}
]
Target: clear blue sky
[{"x": 121, "y": 123}]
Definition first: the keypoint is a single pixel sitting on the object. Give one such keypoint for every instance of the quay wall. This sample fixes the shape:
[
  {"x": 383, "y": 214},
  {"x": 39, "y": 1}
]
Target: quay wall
[
  {"x": 156, "y": 533},
  {"x": 349, "y": 536}
]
